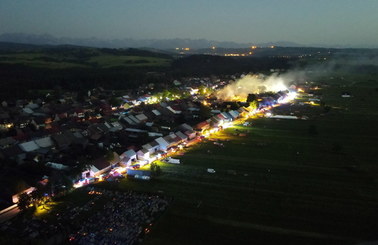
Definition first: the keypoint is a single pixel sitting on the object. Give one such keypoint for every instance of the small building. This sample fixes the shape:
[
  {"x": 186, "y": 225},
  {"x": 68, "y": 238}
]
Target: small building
[
  {"x": 143, "y": 154},
  {"x": 163, "y": 144},
  {"x": 100, "y": 166},
  {"x": 202, "y": 126},
  {"x": 128, "y": 157},
  {"x": 29, "y": 146},
  {"x": 44, "y": 142},
  {"x": 182, "y": 136},
  {"x": 152, "y": 147}
]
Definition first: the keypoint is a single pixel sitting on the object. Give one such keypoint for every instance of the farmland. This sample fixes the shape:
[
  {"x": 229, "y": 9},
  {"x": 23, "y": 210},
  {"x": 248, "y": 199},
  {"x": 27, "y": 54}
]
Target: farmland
[{"x": 98, "y": 60}]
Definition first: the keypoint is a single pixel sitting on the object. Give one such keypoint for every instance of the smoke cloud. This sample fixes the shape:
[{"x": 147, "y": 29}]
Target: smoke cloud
[
  {"x": 339, "y": 65},
  {"x": 248, "y": 84}
]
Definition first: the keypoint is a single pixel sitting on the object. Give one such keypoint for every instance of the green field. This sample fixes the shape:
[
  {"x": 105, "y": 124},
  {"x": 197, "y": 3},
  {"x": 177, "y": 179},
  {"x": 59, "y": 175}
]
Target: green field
[
  {"x": 99, "y": 60},
  {"x": 278, "y": 183}
]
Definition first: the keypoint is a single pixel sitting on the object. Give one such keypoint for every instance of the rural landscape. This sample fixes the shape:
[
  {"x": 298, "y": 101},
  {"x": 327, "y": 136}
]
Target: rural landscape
[{"x": 163, "y": 139}]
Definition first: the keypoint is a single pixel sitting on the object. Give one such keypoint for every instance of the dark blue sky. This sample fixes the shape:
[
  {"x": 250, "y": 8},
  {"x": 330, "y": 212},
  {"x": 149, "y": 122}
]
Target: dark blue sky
[{"x": 327, "y": 22}]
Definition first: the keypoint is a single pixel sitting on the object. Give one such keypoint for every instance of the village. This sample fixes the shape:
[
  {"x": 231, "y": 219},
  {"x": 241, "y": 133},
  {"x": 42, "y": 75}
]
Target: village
[
  {"x": 74, "y": 144},
  {"x": 101, "y": 136}
]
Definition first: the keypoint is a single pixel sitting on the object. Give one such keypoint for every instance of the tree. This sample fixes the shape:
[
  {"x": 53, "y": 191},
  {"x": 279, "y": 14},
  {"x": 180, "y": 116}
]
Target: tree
[
  {"x": 24, "y": 201},
  {"x": 115, "y": 101},
  {"x": 155, "y": 169},
  {"x": 36, "y": 196},
  {"x": 251, "y": 97},
  {"x": 204, "y": 112}
]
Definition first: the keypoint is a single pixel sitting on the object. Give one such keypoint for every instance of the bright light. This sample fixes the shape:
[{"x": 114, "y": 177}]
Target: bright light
[
  {"x": 227, "y": 125},
  {"x": 286, "y": 99}
]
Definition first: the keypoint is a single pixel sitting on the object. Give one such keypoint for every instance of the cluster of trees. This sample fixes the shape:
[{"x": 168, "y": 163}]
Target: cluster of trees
[{"x": 155, "y": 169}]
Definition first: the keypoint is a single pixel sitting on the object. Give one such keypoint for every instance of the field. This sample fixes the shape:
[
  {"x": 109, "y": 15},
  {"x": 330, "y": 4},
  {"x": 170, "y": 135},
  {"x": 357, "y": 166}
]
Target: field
[
  {"x": 98, "y": 60},
  {"x": 280, "y": 182}
]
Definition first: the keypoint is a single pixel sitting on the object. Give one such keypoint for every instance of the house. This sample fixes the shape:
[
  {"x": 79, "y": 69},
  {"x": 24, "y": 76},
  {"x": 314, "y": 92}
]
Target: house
[
  {"x": 152, "y": 147},
  {"x": 174, "y": 109},
  {"x": 141, "y": 117},
  {"x": 185, "y": 127},
  {"x": 215, "y": 121},
  {"x": 156, "y": 112},
  {"x": 95, "y": 132},
  {"x": 114, "y": 126},
  {"x": 130, "y": 153},
  {"x": 225, "y": 116},
  {"x": 128, "y": 157},
  {"x": 44, "y": 142},
  {"x": 163, "y": 144},
  {"x": 134, "y": 119},
  {"x": 234, "y": 114},
  {"x": 100, "y": 166},
  {"x": 61, "y": 141},
  {"x": 29, "y": 146},
  {"x": 202, "y": 126},
  {"x": 127, "y": 120},
  {"x": 172, "y": 139},
  {"x": 182, "y": 136},
  {"x": 143, "y": 154}
]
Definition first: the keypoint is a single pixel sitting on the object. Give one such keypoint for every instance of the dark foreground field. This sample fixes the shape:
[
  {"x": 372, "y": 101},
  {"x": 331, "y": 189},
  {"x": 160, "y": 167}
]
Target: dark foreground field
[{"x": 282, "y": 183}]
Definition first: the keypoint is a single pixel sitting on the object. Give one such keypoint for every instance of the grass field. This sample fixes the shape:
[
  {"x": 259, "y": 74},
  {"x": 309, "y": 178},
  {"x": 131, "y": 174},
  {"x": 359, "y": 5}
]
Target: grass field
[{"x": 278, "y": 183}]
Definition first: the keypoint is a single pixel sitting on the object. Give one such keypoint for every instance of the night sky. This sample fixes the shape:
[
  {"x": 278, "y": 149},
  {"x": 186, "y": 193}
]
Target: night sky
[{"x": 308, "y": 22}]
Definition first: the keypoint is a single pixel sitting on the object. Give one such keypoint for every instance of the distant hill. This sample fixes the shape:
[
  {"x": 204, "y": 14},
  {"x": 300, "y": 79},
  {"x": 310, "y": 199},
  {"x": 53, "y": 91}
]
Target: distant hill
[
  {"x": 47, "y": 39},
  {"x": 70, "y": 56}
]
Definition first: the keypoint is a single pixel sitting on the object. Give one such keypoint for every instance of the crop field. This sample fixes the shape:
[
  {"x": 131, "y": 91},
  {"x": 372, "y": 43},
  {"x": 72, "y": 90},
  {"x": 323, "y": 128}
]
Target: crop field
[{"x": 275, "y": 181}]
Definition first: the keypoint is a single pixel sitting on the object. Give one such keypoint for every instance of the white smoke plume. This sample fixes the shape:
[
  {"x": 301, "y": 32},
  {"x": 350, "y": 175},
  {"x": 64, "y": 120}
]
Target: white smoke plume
[{"x": 240, "y": 89}]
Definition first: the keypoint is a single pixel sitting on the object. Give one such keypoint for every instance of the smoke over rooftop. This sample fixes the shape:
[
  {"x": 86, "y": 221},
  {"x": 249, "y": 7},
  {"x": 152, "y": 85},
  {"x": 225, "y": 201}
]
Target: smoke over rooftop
[{"x": 248, "y": 84}]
